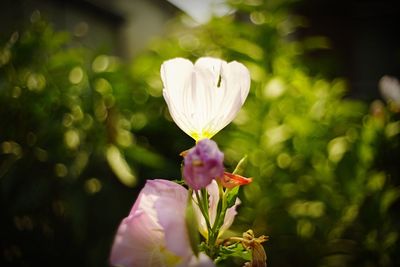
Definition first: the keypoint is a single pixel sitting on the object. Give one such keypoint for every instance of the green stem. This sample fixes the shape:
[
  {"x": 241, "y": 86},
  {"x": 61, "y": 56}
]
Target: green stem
[
  {"x": 221, "y": 216},
  {"x": 213, "y": 231},
  {"x": 219, "y": 221},
  {"x": 203, "y": 205}
]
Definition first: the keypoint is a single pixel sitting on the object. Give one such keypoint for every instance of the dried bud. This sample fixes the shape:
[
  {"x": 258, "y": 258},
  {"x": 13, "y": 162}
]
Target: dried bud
[{"x": 250, "y": 242}]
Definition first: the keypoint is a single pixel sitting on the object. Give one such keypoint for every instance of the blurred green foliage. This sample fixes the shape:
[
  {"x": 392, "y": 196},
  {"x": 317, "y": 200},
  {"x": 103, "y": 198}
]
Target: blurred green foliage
[
  {"x": 79, "y": 128},
  {"x": 74, "y": 140}
]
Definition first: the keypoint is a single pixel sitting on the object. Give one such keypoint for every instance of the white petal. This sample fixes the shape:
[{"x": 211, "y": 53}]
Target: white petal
[
  {"x": 238, "y": 74},
  {"x": 235, "y": 87},
  {"x": 212, "y": 65},
  {"x": 230, "y": 214},
  {"x": 200, "y": 219},
  {"x": 213, "y": 194},
  {"x": 205, "y": 97},
  {"x": 229, "y": 217},
  {"x": 176, "y": 75},
  {"x": 213, "y": 198}
]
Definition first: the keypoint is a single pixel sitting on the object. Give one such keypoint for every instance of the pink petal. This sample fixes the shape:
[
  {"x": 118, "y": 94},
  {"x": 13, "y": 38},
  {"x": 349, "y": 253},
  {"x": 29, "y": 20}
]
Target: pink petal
[
  {"x": 136, "y": 239},
  {"x": 140, "y": 236},
  {"x": 171, "y": 216},
  {"x": 202, "y": 261}
]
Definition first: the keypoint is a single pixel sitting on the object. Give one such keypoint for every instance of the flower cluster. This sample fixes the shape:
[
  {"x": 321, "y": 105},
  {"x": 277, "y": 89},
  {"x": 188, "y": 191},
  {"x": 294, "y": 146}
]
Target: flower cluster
[{"x": 165, "y": 223}]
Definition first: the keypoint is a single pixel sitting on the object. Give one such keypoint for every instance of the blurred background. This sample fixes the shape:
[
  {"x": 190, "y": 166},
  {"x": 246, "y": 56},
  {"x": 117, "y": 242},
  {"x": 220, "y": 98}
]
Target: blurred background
[{"x": 83, "y": 123}]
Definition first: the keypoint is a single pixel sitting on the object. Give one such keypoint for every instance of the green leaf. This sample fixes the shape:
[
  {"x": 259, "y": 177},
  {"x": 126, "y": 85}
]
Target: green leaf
[
  {"x": 179, "y": 181},
  {"x": 231, "y": 195},
  {"x": 234, "y": 250},
  {"x": 241, "y": 166}
]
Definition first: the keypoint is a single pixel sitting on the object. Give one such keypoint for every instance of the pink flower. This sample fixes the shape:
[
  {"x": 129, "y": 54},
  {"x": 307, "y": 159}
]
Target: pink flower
[
  {"x": 155, "y": 233},
  {"x": 203, "y": 163}
]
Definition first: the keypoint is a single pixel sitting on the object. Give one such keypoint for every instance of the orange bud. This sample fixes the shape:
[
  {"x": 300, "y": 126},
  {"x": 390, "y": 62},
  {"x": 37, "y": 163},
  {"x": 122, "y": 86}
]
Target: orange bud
[{"x": 230, "y": 180}]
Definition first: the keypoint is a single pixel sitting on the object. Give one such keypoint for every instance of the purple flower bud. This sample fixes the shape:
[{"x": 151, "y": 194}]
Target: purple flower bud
[{"x": 202, "y": 164}]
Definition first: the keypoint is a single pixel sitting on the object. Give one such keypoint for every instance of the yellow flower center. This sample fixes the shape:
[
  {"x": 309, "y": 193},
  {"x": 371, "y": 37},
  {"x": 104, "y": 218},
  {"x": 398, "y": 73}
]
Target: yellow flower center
[{"x": 203, "y": 135}]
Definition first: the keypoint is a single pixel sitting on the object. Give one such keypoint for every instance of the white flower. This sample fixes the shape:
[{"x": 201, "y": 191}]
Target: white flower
[
  {"x": 390, "y": 90},
  {"x": 205, "y": 97}
]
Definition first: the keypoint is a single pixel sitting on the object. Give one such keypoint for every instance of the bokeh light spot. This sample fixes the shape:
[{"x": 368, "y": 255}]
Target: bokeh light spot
[
  {"x": 11, "y": 147},
  {"x": 100, "y": 63},
  {"x": 257, "y": 18},
  {"x": 284, "y": 160},
  {"x": 93, "y": 185},
  {"x": 120, "y": 167},
  {"x": 305, "y": 228},
  {"x": 350, "y": 213},
  {"x": 392, "y": 129},
  {"x": 138, "y": 120},
  {"x": 189, "y": 42},
  {"x": 274, "y": 89},
  {"x": 124, "y": 138},
  {"x": 77, "y": 113},
  {"x": 36, "y": 82},
  {"x": 35, "y": 16},
  {"x": 100, "y": 110},
  {"x": 60, "y": 170},
  {"x": 376, "y": 182},
  {"x": 67, "y": 120},
  {"x": 41, "y": 154},
  {"x": 23, "y": 223},
  {"x": 72, "y": 139},
  {"x": 76, "y": 75},
  {"x": 16, "y": 92},
  {"x": 336, "y": 148},
  {"x": 5, "y": 56},
  {"x": 277, "y": 135},
  {"x": 81, "y": 29},
  {"x": 103, "y": 86}
]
